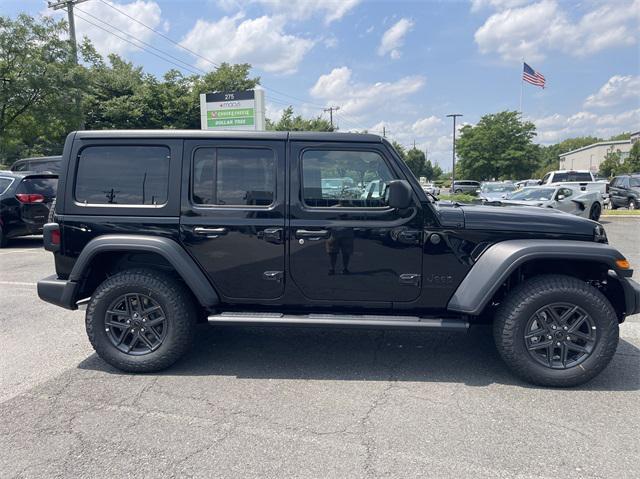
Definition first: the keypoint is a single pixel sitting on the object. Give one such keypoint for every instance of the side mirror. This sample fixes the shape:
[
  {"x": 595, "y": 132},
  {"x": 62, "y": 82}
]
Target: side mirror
[
  {"x": 399, "y": 194},
  {"x": 560, "y": 197}
]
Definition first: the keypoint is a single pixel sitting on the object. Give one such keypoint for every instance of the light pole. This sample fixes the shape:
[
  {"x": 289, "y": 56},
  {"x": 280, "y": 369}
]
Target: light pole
[{"x": 453, "y": 158}]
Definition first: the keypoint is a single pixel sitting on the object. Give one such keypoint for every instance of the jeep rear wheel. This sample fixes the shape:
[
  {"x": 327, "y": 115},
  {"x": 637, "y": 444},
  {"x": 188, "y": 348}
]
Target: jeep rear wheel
[
  {"x": 141, "y": 320},
  {"x": 556, "y": 331}
]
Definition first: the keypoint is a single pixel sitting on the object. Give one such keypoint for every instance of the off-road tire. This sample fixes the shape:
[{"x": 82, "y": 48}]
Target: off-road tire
[
  {"x": 522, "y": 303},
  {"x": 596, "y": 211},
  {"x": 177, "y": 304}
]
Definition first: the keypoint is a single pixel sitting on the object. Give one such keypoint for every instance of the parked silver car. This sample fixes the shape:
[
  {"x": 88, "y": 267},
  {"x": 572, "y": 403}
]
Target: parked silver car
[
  {"x": 587, "y": 204},
  {"x": 465, "y": 186},
  {"x": 431, "y": 188},
  {"x": 495, "y": 191}
]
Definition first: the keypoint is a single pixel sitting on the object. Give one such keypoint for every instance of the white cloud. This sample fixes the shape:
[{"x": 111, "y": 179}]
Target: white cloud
[
  {"x": 331, "y": 41},
  {"x": 259, "y": 41},
  {"x": 332, "y": 10},
  {"x": 557, "y": 127},
  {"x": 360, "y": 99},
  {"x": 533, "y": 30},
  {"x": 147, "y": 12},
  {"x": 393, "y": 38},
  {"x": 496, "y": 4},
  {"x": 618, "y": 89}
]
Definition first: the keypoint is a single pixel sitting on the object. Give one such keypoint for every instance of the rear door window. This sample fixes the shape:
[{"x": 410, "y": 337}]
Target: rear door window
[
  {"x": 125, "y": 175},
  {"x": 234, "y": 177},
  {"x": 4, "y": 184}
]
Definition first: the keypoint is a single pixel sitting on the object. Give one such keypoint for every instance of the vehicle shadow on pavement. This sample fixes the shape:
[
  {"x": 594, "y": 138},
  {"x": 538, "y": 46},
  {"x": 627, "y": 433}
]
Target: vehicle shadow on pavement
[{"x": 365, "y": 355}]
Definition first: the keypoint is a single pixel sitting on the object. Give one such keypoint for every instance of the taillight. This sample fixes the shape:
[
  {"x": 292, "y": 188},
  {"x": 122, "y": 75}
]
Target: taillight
[
  {"x": 29, "y": 198},
  {"x": 55, "y": 237}
]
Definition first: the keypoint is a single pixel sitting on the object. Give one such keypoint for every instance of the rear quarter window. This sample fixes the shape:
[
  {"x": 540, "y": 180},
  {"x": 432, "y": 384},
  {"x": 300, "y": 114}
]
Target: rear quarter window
[{"x": 124, "y": 175}]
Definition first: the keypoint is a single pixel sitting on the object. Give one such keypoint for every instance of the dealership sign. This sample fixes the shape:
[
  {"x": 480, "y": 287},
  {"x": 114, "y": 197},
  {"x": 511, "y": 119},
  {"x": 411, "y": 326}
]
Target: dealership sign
[{"x": 239, "y": 110}]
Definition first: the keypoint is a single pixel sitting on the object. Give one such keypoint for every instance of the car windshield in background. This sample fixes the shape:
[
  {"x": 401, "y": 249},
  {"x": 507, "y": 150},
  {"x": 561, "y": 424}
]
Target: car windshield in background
[
  {"x": 571, "y": 176},
  {"x": 633, "y": 182},
  {"x": 542, "y": 194},
  {"x": 498, "y": 188}
]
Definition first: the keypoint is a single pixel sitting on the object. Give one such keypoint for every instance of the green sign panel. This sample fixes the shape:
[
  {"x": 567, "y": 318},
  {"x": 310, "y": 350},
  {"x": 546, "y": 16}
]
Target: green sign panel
[{"x": 230, "y": 117}]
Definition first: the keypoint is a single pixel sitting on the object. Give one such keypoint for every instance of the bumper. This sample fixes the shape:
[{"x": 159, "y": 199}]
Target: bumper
[
  {"x": 631, "y": 296},
  {"x": 58, "y": 291}
]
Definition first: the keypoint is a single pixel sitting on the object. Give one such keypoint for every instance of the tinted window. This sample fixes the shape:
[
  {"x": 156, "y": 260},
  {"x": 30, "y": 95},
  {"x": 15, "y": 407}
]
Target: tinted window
[
  {"x": 4, "y": 184},
  {"x": 20, "y": 166},
  {"x": 234, "y": 176},
  {"x": 635, "y": 182},
  {"x": 126, "y": 175},
  {"x": 44, "y": 186},
  {"x": 571, "y": 176},
  {"x": 344, "y": 178},
  {"x": 41, "y": 166}
]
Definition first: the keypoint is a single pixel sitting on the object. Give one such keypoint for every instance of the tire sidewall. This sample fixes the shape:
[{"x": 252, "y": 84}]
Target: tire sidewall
[
  {"x": 595, "y": 213},
  {"x": 605, "y": 322}
]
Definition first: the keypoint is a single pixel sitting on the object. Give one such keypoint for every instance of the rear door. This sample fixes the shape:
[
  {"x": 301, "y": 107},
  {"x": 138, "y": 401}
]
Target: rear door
[
  {"x": 346, "y": 244},
  {"x": 233, "y": 214}
]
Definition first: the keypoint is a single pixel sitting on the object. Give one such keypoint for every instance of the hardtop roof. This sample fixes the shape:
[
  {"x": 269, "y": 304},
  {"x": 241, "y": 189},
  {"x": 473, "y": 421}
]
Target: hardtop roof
[{"x": 239, "y": 135}]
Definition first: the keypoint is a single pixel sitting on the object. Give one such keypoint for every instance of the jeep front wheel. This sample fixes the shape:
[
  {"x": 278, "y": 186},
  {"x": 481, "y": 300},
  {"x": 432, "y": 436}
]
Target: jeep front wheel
[
  {"x": 556, "y": 331},
  {"x": 141, "y": 320}
]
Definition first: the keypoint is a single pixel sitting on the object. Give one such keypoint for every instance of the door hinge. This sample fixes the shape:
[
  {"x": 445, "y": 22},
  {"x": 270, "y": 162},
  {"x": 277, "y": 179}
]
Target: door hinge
[
  {"x": 273, "y": 276},
  {"x": 410, "y": 279}
]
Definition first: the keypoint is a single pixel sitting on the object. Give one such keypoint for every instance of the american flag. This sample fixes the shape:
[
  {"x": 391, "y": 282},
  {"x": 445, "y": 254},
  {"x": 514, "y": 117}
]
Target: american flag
[{"x": 531, "y": 76}]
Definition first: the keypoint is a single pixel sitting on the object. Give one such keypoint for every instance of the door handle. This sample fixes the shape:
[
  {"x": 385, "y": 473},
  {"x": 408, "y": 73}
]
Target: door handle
[
  {"x": 272, "y": 235},
  {"x": 312, "y": 235},
  {"x": 209, "y": 232}
]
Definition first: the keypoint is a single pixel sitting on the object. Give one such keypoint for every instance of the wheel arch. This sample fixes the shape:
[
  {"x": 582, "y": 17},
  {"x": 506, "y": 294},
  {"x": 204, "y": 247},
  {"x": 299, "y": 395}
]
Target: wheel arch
[
  {"x": 109, "y": 253},
  {"x": 508, "y": 263}
]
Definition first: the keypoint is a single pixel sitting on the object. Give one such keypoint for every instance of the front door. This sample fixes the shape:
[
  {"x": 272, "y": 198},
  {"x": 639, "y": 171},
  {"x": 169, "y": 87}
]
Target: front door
[
  {"x": 232, "y": 217},
  {"x": 346, "y": 244}
]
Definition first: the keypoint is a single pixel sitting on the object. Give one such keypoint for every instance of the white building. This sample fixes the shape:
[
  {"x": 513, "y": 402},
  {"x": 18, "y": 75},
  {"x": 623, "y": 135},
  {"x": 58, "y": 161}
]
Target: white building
[{"x": 590, "y": 157}]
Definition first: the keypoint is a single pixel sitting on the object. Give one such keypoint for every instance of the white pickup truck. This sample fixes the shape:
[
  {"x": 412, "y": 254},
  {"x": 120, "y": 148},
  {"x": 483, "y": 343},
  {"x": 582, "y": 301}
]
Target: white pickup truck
[{"x": 577, "y": 179}]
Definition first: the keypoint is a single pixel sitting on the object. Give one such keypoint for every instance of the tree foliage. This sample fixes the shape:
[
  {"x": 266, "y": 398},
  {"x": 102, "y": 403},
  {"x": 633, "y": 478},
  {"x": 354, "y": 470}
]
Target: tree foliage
[
  {"x": 499, "y": 146},
  {"x": 289, "y": 122},
  {"x": 416, "y": 161},
  {"x": 38, "y": 83}
]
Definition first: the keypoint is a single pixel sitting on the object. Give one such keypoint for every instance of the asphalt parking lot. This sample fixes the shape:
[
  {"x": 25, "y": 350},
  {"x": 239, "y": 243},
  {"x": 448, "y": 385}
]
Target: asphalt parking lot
[{"x": 281, "y": 402}]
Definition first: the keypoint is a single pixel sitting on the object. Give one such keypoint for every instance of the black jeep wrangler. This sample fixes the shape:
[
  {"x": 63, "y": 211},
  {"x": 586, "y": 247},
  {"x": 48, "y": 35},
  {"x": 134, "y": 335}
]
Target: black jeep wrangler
[{"x": 157, "y": 230}]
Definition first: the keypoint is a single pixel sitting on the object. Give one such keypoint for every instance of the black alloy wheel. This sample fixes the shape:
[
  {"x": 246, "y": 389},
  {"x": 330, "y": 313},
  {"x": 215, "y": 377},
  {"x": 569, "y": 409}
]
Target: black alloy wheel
[
  {"x": 136, "y": 324},
  {"x": 560, "y": 335}
]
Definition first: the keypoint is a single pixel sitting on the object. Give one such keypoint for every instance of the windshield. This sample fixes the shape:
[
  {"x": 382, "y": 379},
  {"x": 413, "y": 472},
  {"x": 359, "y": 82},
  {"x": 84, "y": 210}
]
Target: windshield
[
  {"x": 537, "y": 194},
  {"x": 571, "y": 176},
  {"x": 498, "y": 188}
]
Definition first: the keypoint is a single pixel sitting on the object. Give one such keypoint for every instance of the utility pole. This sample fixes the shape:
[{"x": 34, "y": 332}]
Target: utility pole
[
  {"x": 68, "y": 4},
  {"x": 453, "y": 159},
  {"x": 384, "y": 131},
  {"x": 331, "y": 109}
]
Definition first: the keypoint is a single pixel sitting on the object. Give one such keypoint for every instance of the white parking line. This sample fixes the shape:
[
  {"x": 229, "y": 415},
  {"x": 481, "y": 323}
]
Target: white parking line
[
  {"x": 17, "y": 283},
  {"x": 14, "y": 251}
]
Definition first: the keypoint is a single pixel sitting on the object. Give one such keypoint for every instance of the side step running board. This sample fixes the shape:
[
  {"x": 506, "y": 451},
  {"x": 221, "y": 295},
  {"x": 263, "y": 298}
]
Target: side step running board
[{"x": 368, "y": 321}]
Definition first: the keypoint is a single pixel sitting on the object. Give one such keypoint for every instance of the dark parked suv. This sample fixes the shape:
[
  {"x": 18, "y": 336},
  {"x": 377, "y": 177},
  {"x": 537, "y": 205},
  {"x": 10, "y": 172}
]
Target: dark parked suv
[
  {"x": 624, "y": 192},
  {"x": 25, "y": 199},
  {"x": 158, "y": 230},
  {"x": 42, "y": 164}
]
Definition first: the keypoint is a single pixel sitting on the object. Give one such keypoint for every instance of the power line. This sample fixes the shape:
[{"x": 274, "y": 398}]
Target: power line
[
  {"x": 193, "y": 52},
  {"x": 189, "y": 65},
  {"x": 135, "y": 45}
]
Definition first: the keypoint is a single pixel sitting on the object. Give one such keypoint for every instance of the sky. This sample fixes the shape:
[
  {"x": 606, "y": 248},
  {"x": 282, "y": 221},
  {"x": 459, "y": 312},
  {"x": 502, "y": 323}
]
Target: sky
[{"x": 398, "y": 65}]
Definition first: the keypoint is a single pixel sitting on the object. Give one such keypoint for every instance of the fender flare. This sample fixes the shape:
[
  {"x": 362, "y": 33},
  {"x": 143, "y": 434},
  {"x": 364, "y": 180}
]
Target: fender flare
[
  {"x": 495, "y": 265},
  {"x": 170, "y": 250}
]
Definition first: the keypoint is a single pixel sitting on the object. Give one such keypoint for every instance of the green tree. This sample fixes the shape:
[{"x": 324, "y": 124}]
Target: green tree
[
  {"x": 289, "y": 122},
  {"x": 428, "y": 170},
  {"x": 632, "y": 162},
  {"x": 399, "y": 149},
  {"x": 611, "y": 165},
  {"x": 499, "y": 146},
  {"x": 38, "y": 82},
  {"x": 416, "y": 160},
  {"x": 437, "y": 172}
]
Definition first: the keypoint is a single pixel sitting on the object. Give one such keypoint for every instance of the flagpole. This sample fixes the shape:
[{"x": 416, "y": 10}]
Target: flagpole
[{"x": 521, "y": 87}]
